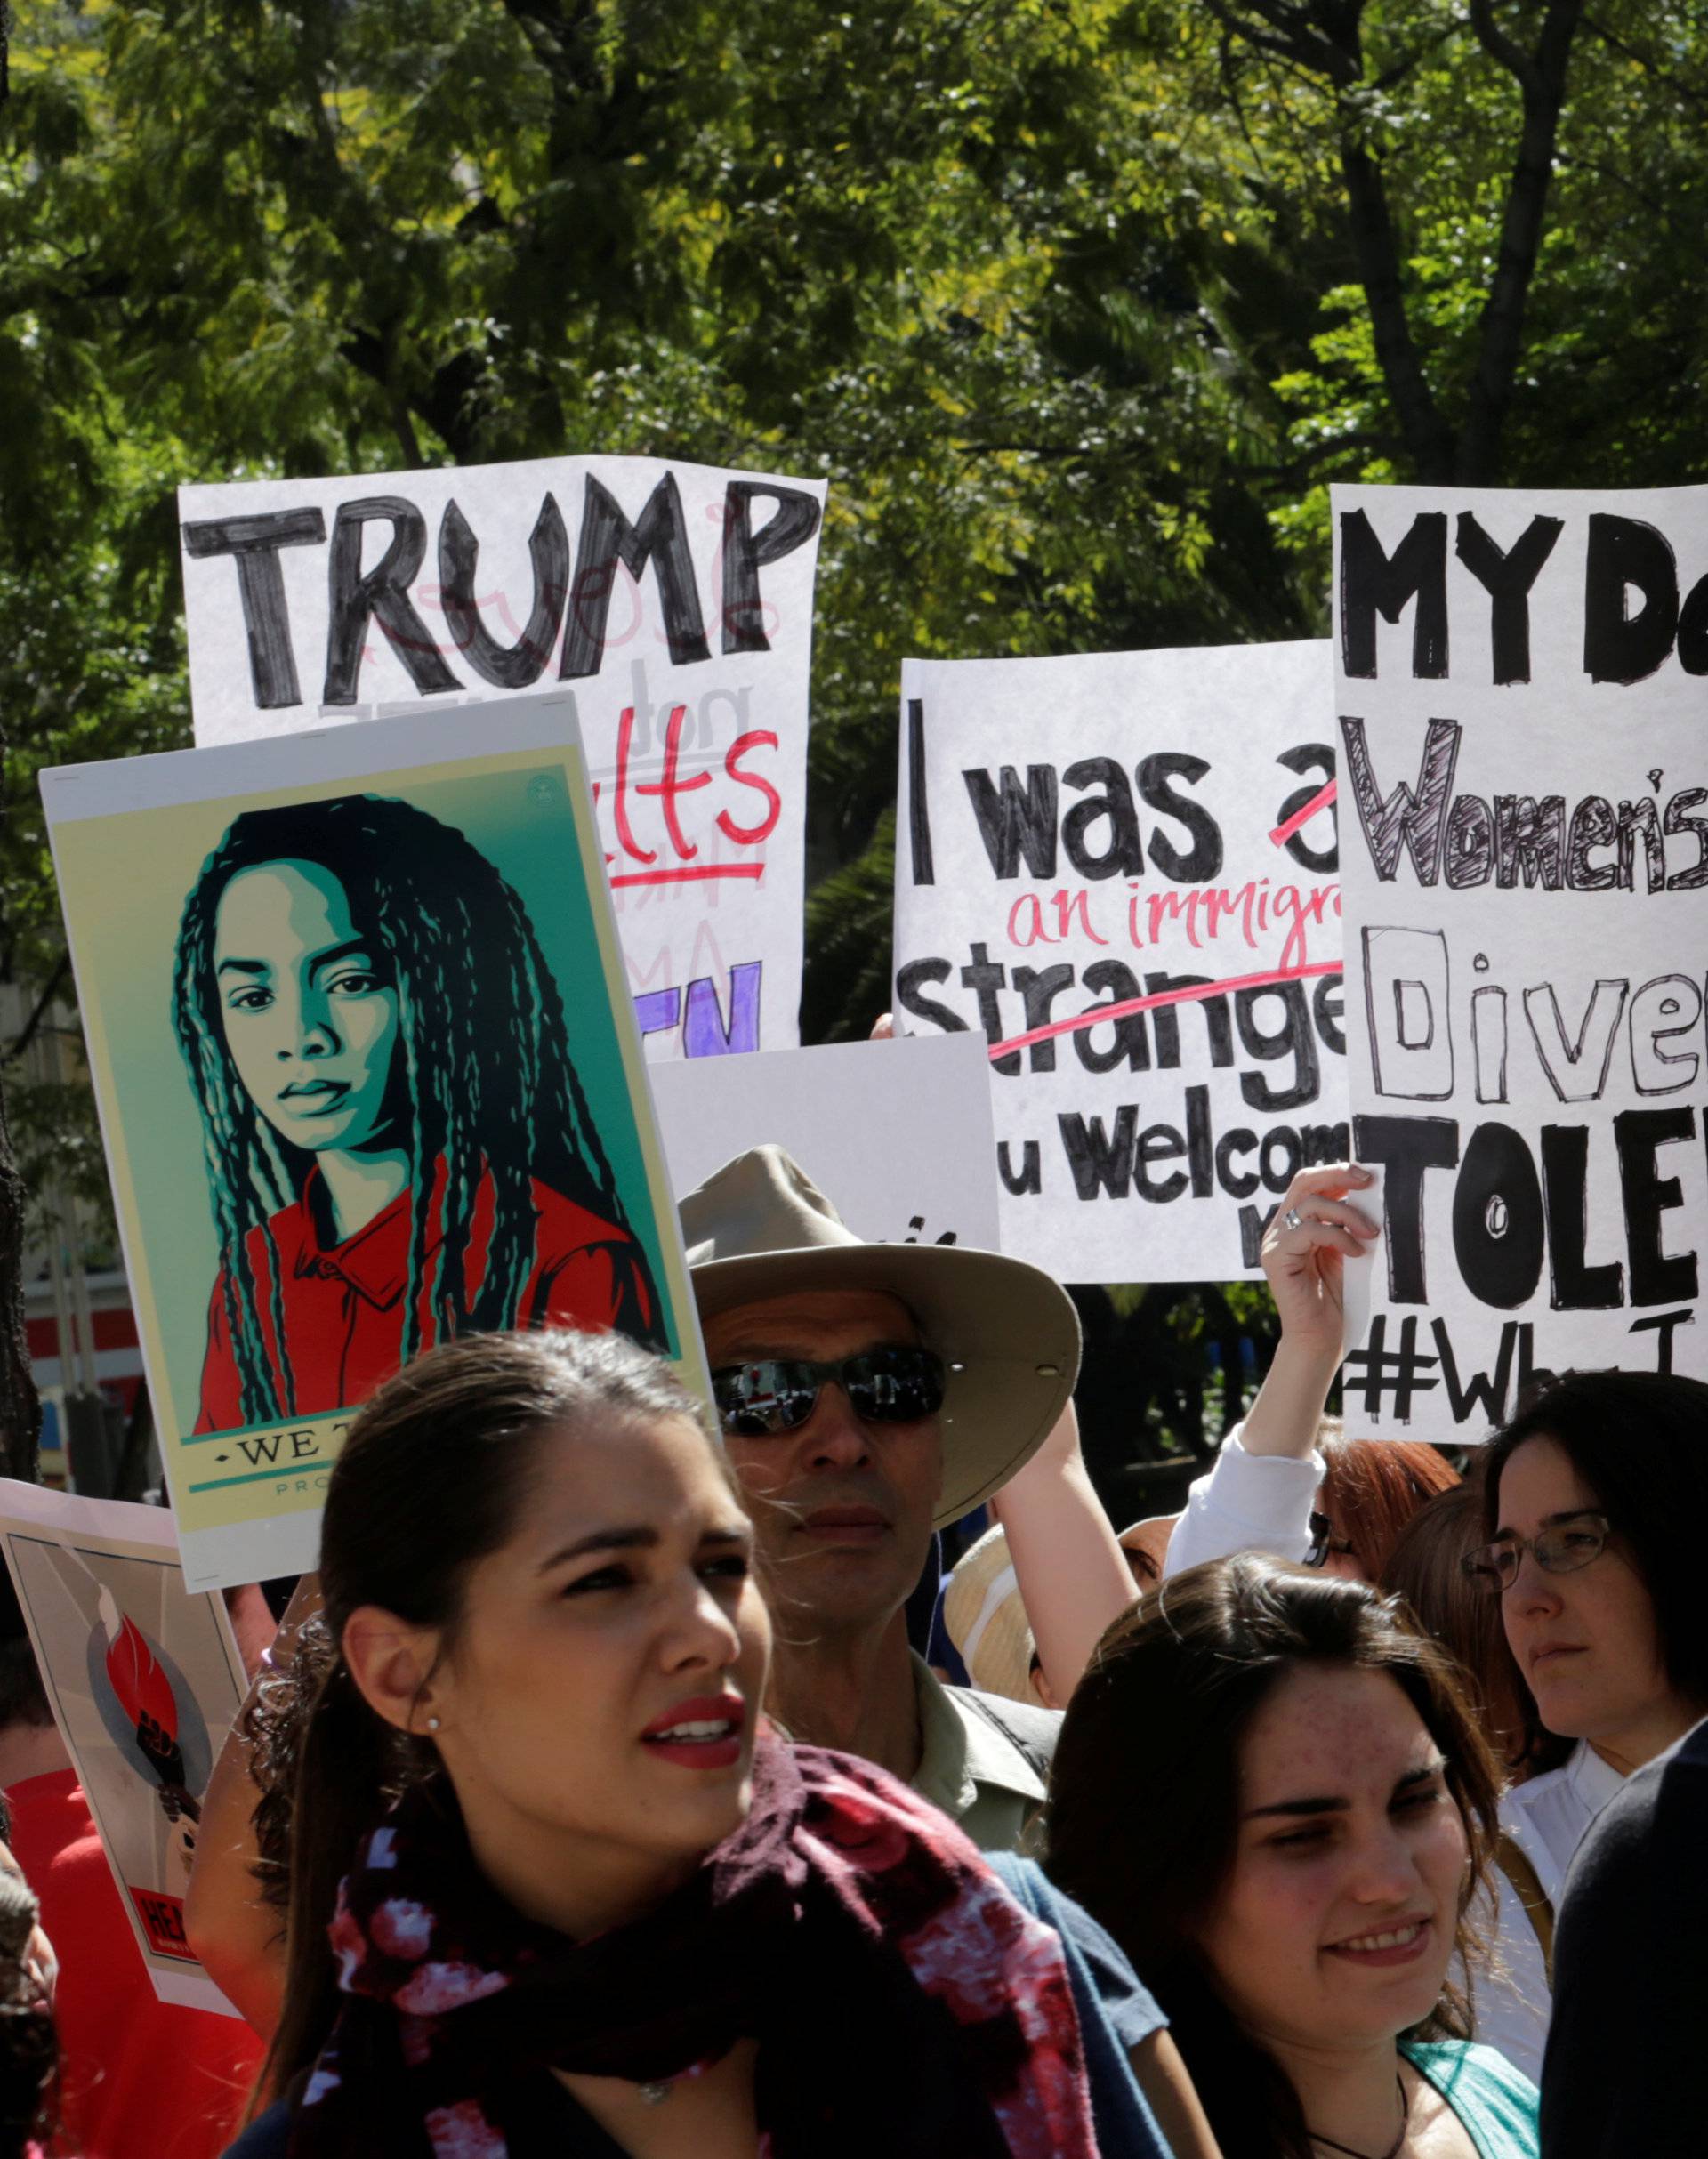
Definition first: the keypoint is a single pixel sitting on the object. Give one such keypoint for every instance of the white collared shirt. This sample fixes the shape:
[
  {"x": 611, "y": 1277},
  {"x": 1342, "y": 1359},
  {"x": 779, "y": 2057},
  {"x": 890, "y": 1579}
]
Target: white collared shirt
[{"x": 1547, "y": 1818}]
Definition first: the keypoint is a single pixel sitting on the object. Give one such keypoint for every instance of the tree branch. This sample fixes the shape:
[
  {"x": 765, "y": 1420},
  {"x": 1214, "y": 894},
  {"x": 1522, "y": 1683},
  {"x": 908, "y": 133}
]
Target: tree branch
[
  {"x": 1500, "y": 337},
  {"x": 20, "y": 1407},
  {"x": 1495, "y": 41},
  {"x": 31, "y": 1027},
  {"x": 1375, "y": 248}
]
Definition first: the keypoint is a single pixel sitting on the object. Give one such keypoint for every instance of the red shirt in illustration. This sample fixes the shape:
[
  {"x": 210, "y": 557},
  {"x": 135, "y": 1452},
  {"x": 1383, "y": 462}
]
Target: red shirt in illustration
[
  {"x": 343, "y": 1304},
  {"x": 142, "y": 2078}
]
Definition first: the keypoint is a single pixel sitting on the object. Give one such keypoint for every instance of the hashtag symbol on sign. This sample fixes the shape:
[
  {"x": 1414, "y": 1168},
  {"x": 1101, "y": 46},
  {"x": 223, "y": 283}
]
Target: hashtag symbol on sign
[{"x": 1403, "y": 1372}]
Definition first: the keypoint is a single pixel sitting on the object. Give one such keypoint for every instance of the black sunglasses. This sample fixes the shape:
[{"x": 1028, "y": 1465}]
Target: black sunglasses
[{"x": 778, "y": 1394}]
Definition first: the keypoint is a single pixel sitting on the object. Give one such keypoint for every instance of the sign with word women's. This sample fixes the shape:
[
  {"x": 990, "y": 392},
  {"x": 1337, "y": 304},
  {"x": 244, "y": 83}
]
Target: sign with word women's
[
  {"x": 674, "y": 602},
  {"x": 1121, "y": 869},
  {"x": 1520, "y": 700}
]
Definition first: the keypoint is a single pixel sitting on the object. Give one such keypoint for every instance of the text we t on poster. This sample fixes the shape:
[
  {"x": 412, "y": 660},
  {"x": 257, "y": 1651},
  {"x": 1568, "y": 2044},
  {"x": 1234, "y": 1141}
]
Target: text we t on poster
[
  {"x": 673, "y": 601},
  {"x": 1120, "y": 868},
  {"x": 1524, "y": 793}
]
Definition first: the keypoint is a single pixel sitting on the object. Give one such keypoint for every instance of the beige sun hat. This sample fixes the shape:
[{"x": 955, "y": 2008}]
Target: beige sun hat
[
  {"x": 1007, "y": 1332},
  {"x": 987, "y": 1620}
]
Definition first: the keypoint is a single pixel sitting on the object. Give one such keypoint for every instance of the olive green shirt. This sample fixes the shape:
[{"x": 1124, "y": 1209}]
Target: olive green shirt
[{"x": 970, "y": 1770}]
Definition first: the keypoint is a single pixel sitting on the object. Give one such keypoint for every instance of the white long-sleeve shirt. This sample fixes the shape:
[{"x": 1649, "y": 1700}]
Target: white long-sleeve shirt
[{"x": 1246, "y": 1502}]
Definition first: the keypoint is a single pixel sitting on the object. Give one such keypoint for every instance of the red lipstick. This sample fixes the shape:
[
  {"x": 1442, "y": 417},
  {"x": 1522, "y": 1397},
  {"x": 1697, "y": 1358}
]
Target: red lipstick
[{"x": 705, "y": 1732}]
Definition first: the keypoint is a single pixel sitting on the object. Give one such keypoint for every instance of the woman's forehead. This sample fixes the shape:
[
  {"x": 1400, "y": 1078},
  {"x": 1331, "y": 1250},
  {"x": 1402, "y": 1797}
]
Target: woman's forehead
[
  {"x": 1539, "y": 1479},
  {"x": 1325, "y": 1730},
  {"x": 287, "y": 901}
]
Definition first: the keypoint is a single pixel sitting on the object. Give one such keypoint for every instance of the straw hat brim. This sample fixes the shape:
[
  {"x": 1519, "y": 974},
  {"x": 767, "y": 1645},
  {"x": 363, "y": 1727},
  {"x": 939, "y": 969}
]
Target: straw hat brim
[{"x": 1007, "y": 1332}]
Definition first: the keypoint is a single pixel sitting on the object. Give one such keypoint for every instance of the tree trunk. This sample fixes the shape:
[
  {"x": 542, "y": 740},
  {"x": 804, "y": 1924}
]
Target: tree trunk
[{"x": 20, "y": 1407}]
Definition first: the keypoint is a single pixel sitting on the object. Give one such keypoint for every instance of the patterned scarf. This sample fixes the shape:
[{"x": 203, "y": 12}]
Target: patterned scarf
[{"x": 903, "y": 2003}]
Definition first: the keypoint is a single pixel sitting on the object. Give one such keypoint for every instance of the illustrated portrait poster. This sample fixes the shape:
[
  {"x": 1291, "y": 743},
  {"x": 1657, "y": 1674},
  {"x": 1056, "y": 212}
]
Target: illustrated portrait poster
[
  {"x": 672, "y": 601},
  {"x": 144, "y": 1680},
  {"x": 1524, "y": 799},
  {"x": 369, "y": 1078},
  {"x": 1121, "y": 870}
]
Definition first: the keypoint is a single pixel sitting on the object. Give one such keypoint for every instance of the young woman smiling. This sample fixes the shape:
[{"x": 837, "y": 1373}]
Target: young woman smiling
[
  {"x": 581, "y": 1902},
  {"x": 1293, "y": 1888}
]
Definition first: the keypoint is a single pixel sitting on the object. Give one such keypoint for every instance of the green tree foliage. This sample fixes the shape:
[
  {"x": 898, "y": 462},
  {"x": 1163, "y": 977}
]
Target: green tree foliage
[{"x": 1078, "y": 304}]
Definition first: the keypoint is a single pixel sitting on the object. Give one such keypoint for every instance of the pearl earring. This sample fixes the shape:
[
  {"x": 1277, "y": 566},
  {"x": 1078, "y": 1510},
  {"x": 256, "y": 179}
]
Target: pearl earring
[{"x": 432, "y": 1724}]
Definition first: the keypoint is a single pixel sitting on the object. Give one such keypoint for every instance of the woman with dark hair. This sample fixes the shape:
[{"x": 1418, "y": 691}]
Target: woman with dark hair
[
  {"x": 1591, "y": 1501},
  {"x": 580, "y": 1899},
  {"x": 1426, "y": 1569},
  {"x": 1294, "y": 1887},
  {"x": 397, "y": 1146}
]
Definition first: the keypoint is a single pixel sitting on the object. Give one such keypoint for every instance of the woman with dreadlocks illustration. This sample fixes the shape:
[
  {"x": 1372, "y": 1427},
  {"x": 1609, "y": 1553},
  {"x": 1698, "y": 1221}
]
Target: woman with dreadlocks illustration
[{"x": 397, "y": 1142}]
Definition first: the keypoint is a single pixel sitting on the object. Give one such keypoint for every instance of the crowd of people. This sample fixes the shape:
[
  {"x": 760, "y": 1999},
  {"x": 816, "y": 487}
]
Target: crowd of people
[{"x": 626, "y": 1782}]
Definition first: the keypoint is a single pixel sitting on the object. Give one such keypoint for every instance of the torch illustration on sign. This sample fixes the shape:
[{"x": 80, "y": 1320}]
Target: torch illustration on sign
[{"x": 146, "y": 1700}]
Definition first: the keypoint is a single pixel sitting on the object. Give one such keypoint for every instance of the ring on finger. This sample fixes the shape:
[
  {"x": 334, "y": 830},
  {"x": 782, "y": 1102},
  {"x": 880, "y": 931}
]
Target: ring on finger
[{"x": 1293, "y": 1219}]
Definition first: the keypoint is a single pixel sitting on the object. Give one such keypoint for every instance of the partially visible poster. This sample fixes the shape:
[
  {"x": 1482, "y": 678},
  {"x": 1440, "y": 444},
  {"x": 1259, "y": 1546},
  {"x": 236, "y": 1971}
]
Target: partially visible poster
[
  {"x": 145, "y": 1681},
  {"x": 1120, "y": 870},
  {"x": 1525, "y": 799},
  {"x": 896, "y": 1134},
  {"x": 369, "y": 1075},
  {"x": 671, "y": 602}
]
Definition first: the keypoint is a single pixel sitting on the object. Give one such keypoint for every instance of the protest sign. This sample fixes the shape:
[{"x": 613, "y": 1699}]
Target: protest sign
[
  {"x": 144, "y": 1681},
  {"x": 1521, "y": 705},
  {"x": 897, "y": 1134},
  {"x": 680, "y": 621},
  {"x": 369, "y": 1075},
  {"x": 1120, "y": 869}
]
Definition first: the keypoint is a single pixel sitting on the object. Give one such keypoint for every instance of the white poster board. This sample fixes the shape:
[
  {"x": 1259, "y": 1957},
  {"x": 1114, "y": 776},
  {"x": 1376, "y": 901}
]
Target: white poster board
[
  {"x": 1119, "y": 870},
  {"x": 144, "y": 1681},
  {"x": 897, "y": 1135},
  {"x": 338, "y": 988},
  {"x": 1519, "y": 677},
  {"x": 673, "y": 601}
]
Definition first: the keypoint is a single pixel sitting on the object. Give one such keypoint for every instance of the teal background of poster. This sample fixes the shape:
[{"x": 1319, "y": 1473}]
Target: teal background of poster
[{"x": 127, "y": 928}]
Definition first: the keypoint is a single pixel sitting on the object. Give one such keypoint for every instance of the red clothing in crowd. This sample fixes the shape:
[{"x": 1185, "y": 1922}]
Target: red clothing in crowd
[
  {"x": 141, "y": 2079},
  {"x": 343, "y": 1304}
]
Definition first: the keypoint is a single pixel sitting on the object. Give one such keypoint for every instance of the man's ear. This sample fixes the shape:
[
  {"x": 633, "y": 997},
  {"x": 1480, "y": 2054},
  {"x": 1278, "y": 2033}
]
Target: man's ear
[{"x": 395, "y": 1665}]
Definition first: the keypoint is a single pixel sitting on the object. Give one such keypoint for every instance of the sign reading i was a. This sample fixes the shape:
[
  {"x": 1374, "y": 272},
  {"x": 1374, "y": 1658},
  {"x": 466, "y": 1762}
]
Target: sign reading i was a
[
  {"x": 1519, "y": 683},
  {"x": 673, "y": 601},
  {"x": 1120, "y": 869}
]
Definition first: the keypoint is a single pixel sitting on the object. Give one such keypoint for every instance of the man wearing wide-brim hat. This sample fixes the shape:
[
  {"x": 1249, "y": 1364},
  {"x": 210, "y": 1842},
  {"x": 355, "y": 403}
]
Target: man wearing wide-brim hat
[{"x": 869, "y": 1393}]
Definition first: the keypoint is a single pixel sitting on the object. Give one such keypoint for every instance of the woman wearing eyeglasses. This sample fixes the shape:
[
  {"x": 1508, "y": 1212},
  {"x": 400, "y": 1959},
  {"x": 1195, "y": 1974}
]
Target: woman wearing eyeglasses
[{"x": 1594, "y": 1498}]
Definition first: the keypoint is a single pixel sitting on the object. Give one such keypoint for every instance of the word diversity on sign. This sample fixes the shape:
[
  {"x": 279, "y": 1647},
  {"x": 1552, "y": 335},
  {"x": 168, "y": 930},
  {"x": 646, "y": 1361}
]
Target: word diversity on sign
[
  {"x": 680, "y": 617},
  {"x": 1520, "y": 708},
  {"x": 1121, "y": 869}
]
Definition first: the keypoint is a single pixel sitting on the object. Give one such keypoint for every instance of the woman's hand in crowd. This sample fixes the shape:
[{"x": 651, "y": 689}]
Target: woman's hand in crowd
[{"x": 1315, "y": 1231}]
